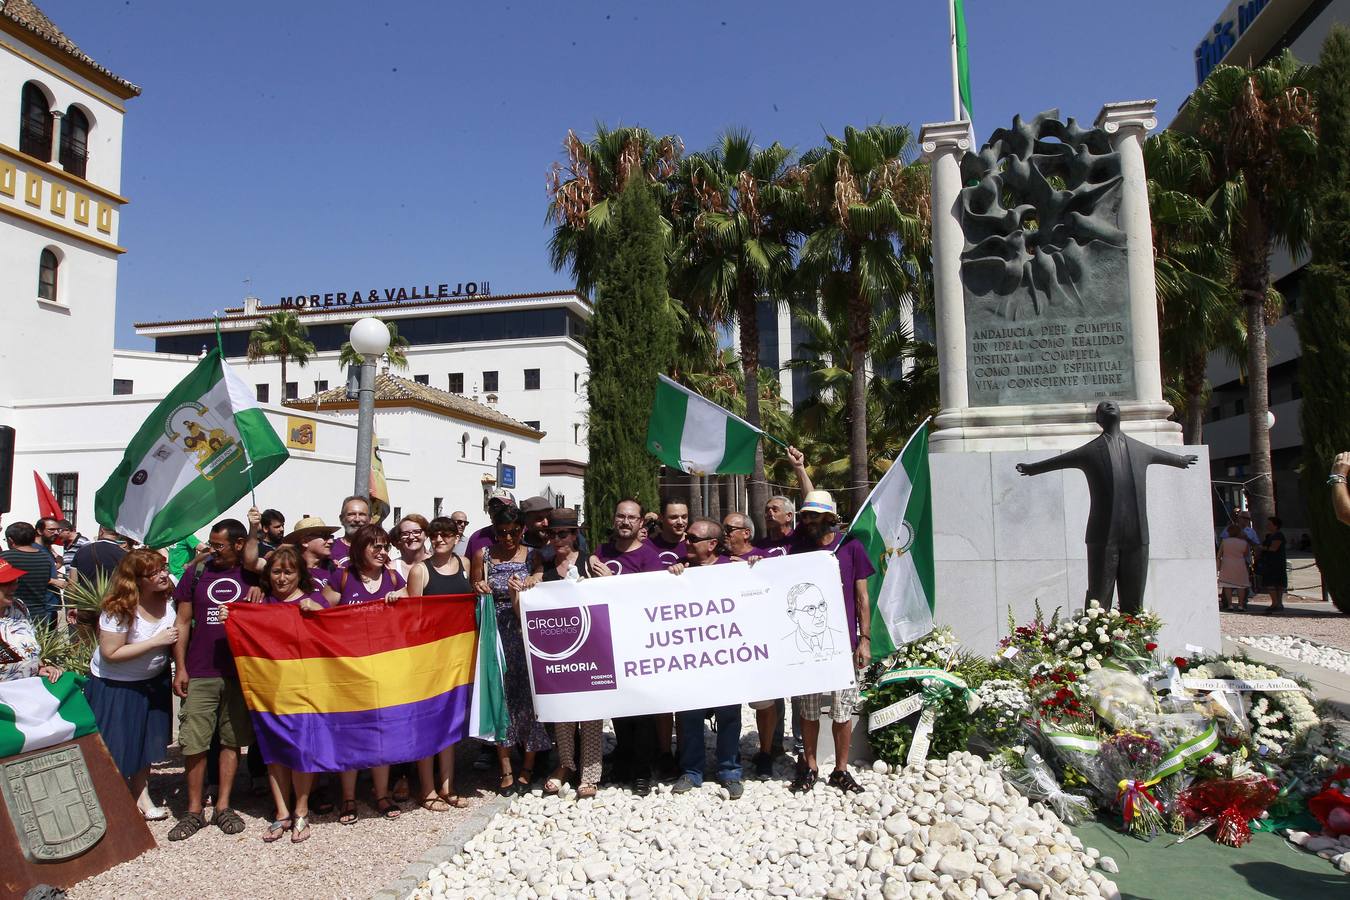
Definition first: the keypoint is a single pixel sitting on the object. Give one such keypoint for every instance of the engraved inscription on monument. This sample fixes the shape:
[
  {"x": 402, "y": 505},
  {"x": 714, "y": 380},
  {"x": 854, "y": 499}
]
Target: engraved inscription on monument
[
  {"x": 1043, "y": 268},
  {"x": 52, "y": 804}
]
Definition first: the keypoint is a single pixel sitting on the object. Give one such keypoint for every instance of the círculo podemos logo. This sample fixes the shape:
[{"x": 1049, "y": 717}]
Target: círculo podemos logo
[{"x": 570, "y": 650}]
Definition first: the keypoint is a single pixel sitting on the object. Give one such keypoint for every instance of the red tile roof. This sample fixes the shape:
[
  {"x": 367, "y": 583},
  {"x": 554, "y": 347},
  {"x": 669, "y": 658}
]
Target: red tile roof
[{"x": 26, "y": 14}]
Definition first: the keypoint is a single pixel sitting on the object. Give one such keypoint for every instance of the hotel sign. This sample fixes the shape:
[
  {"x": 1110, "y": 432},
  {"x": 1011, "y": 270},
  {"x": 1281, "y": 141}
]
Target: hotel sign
[
  {"x": 1232, "y": 24},
  {"x": 388, "y": 295}
]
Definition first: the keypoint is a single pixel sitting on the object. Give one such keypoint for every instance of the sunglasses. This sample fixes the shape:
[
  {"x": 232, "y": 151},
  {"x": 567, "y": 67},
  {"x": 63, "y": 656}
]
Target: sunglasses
[
  {"x": 508, "y": 532},
  {"x": 690, "y": 539},
  {"x": 558, "y": 532}
]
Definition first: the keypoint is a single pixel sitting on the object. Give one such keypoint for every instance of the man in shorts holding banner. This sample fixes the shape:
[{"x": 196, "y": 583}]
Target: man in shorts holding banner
[{"x": 816, "y": 521}]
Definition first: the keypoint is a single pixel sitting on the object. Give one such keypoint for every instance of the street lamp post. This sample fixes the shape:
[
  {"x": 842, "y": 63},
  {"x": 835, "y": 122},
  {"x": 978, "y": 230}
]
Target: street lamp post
[{"x": 370, "y": 338}]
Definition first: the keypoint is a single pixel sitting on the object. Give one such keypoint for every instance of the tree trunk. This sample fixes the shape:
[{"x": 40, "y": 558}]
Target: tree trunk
[
  {"x": 1193, "y": 380},
  {"x": 714, "y": 510},
  {"x": 282, "y": 397},
  {"x": 695, "y": 496},
  {"x": 1254, "y": 281},
  {"x": 859, "y": 323},
  {"x": 745, "y": 314}
]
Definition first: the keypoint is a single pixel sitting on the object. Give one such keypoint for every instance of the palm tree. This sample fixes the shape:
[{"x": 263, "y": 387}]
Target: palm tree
[
  {"x": 901, "y": 389},
  {"x": 1193, "y": 269},
  {"x": 583, "y": 191},
  {"x": 733, "y": 211},
  {"x": 872, "y": 226},
  {"x": 1260, "y": 128},
  {"x": 397, "y": 358},
  {"x": 284, "y": 336}
]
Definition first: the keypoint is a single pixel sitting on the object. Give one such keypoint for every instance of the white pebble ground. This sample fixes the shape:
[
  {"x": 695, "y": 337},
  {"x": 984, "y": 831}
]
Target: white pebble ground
[
  {"x": 1303, "y": 650},
  {"x": 953, "y": 829}
]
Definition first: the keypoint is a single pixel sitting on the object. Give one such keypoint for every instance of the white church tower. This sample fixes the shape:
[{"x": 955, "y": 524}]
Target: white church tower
[{"x": 60, "y": 210}]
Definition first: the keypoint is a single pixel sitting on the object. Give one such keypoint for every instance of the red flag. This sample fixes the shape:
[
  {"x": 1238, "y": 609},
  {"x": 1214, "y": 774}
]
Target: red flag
[{"x": 48, "y": 508}]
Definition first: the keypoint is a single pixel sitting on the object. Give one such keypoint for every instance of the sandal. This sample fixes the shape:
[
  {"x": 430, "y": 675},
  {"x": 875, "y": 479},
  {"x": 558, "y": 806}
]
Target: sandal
[
  {"x": 228, "y": 821},
  {"x": 348, "y": 816},
  {"x": 276, "y": 830},
  {"x": 843, "y": 780},
  {"x": 387, "y": 808},
  {"x": 555, "y": 782},
  {"x": 586, "y": 792},
  {"x": 434, "y": 804},
  {"x": 187, "y": 826},
  {"x": 805, "y": 780},
  {"x": 300, "y": 830},
  {"x": 454, "y": 801}
]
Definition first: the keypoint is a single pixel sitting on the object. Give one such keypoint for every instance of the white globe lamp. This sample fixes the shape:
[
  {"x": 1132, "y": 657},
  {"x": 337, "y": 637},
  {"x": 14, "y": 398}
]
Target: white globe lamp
[{"x": 370, "y": 337}]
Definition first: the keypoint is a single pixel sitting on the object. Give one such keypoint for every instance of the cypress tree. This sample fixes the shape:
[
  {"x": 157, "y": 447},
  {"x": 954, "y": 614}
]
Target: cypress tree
[
  {"x": 630, "y": 340},
  {"x": 1323, "y": 319}
]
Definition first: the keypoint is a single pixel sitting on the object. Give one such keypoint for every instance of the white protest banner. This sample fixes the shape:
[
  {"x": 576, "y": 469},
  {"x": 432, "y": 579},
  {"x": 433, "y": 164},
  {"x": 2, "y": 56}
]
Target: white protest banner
[{"x": 653, "y": 642}]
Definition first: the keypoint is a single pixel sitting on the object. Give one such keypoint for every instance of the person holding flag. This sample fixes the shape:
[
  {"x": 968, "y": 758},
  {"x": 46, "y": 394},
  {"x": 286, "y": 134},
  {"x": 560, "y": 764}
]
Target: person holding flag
[{"x": 816, "y": 530}]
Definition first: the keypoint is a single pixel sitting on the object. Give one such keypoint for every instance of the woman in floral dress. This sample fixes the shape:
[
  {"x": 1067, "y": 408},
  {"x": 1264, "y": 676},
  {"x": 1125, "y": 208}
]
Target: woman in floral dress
[{"x": 503, "y": 570}]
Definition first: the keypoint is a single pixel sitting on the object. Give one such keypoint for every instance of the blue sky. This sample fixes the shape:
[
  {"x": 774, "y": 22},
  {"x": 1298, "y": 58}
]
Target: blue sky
[{"x": 314, "y": 147}]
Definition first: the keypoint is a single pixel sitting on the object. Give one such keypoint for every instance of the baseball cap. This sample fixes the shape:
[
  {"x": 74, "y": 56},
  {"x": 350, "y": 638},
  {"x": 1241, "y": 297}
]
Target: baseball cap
[
  {"x": 821, "y": 502},
  {"x": 10, "y": 573},
  {"x": 503, "y": 495}
]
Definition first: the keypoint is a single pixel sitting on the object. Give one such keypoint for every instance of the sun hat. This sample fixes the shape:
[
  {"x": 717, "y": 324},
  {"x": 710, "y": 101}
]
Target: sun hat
[
  {"x": 10, "y": 573},
  {"x": 820, "y": 502},
  {"x": 309, "y": 528},
  {"x": 562, "y": 517}
]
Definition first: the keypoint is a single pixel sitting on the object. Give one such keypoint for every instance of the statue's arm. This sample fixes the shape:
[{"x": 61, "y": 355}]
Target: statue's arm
[
  {"x": 1066, "y": 460},
  {"x": 1163, "y": 458}
]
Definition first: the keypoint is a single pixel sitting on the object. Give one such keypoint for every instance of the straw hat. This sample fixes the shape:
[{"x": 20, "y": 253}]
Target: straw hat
[{"x": 309, "y": 528}]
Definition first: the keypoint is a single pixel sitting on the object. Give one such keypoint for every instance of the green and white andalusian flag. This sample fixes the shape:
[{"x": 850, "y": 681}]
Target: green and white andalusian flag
[
  {"x": 695, "y": 435},
  {"x": 961, "y": 57},
  {"x": 205, "y": 446},
  {"x": 35, "y": 713},
  {"x": 896, "y": 527}
]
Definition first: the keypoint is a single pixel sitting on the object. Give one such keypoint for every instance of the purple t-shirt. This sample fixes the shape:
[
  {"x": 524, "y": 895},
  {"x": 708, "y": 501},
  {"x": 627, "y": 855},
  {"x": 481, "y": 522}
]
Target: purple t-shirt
[
  {"x": 483, "y": 537},
  {"x": 642, "y": 558},
  {"x": 208, "y": 652},
  {"x": 670, "y": 553},
  {"x": 316, "y": 596},
  {"x": 750, "y": 555},
  {"x": 341, "y": 550},
  {"x": 353, "y": 589},
  {"x": 854, "y": 566},
  {"x": 717, "y": 560},
  {"x": 776, "y": 546},
  {"x": 323, "y": 575}
]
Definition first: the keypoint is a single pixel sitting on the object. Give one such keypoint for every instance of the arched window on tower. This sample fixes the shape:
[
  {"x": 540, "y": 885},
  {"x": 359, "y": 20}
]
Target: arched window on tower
[
  {"x": 48, "y": 264},
  {"x": 464, "y": 446},
  {"x": 35, "y": 123},
  {"x": 482, "y": 450},
  {"x": 75, "y": 142}
]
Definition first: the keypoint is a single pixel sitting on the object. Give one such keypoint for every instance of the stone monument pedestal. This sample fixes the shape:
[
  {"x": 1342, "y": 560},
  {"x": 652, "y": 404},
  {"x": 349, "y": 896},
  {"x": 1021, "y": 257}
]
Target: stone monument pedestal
[{"x": 1003, "y": 541}]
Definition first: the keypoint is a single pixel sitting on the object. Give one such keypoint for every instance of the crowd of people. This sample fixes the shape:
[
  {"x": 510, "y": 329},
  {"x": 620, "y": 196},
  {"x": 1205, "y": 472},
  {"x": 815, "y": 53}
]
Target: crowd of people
[
  {"x": 1249, "y": 563},
  {"x": 161, "y": 633}
]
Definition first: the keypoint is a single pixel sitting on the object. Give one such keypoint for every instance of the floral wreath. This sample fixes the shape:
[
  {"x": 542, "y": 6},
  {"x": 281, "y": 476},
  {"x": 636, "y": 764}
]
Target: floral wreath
[{"x": 1279, "y": 720}]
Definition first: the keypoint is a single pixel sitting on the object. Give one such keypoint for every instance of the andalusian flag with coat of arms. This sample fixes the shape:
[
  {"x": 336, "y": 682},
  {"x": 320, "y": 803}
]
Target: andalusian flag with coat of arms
[
  {"x": 202, "y": 449},
  {"x": 896, "y": 527}
]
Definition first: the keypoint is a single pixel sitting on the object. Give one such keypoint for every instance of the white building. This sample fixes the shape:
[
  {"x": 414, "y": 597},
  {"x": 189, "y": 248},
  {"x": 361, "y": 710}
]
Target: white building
[
  {"x": 60, "y": 206},
  {"x": 495, "y": 382},
  {"x": 518, "y": 355}
]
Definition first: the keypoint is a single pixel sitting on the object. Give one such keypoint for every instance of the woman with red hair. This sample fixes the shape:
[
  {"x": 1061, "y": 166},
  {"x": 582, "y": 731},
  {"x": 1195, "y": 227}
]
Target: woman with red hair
[{"x": 128, "y": 686}]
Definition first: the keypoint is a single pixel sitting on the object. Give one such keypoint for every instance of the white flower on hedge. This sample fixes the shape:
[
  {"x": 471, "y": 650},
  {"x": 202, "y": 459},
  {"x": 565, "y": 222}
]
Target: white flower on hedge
[{"x": 1076, "y": 652}]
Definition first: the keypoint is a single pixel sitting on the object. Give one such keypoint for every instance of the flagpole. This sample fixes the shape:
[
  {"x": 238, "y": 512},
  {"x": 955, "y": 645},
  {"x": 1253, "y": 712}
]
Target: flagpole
[
  {"x": 956, "y": 75},
  {"x": 248, "y": 458}
]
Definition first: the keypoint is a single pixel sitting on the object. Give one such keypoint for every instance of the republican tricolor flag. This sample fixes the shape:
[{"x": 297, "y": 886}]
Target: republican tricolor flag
[{"x": 360, "y": 685}]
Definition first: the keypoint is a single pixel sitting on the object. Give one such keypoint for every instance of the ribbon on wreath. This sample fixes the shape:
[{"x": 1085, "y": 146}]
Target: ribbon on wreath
[
  {"x": 1194, "y": 748},
  {"x": 1068, "y": 740},
  {"x": 935, "y": 686}
]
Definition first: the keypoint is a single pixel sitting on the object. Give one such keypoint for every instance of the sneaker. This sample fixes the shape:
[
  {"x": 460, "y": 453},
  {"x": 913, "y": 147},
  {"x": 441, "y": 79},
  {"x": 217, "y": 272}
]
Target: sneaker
[
  {"x": 683, "y": 785},
  {"x": 642, "y": 787},
  {"x": 734, "y": 789},
  {"x": 805, "y": 780},
  {"x": 843, "y": 780},
  {"x": 763, "y": 766}
]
